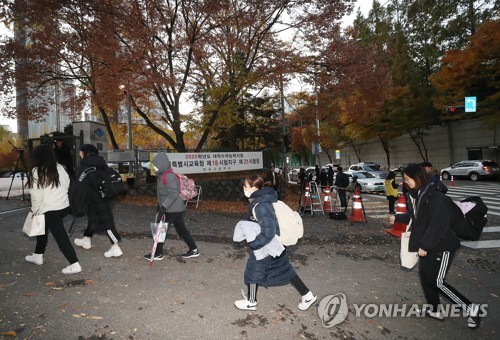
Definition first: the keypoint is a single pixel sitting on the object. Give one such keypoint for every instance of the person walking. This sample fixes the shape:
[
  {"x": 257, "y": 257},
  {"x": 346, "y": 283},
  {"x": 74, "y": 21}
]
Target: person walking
[
  {"x": 49, "y": 184},
  {"x": 64, "y": 157},
  {"x": 170, "y": 206},
  {"x": 431, "y": 217},
  {"x": 342, "y": 182},
  {"x": 100, "y": 215},
  {"x": 391, "y": 190},
  {"x": 269, "y": 271},
  {"x": 273, "y": 177}
]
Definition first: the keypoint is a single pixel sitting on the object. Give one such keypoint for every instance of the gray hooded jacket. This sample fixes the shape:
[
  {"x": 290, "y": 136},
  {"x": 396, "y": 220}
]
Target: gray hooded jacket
[{"x": 167, "y": 194}]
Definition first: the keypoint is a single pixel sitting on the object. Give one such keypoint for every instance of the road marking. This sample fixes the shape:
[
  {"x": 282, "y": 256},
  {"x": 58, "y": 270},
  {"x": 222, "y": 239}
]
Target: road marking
[
  {"x": 481, "y": 244},
  {"x": 491, "y": 229},
  {"x": 13, "y": 210}
]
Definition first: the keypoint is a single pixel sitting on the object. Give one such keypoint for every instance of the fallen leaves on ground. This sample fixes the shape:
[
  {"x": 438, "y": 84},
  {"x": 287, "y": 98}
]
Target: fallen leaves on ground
[{"x": 292, "y": 198}]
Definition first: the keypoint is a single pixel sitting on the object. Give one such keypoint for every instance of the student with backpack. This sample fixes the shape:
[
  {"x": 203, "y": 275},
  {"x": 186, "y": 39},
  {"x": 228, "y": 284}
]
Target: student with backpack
[
  {"x": 431, "y": 215},
  {"x": 100, "y": 215},
  {"x": 171, "y": 206},
  {"x": 269, "y": 271}
]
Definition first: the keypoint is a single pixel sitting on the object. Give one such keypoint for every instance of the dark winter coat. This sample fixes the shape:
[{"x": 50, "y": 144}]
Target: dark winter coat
[
  {"x": 431, "y": 222},
  {"x": 270, "y": 271},
  {"x": 100, "y": 215}
]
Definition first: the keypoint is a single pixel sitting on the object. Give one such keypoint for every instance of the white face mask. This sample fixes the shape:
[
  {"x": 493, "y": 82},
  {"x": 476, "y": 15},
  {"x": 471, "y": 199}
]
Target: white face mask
[{"x": 248, "y": 193}]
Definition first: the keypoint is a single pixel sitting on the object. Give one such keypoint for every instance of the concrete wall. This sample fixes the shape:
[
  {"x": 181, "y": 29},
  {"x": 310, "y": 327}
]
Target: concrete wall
[{"x": 445, "y": 144}]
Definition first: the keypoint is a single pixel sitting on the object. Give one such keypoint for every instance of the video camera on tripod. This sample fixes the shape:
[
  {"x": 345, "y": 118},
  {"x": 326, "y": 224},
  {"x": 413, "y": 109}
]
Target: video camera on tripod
[{"x": 20, "y": 161}]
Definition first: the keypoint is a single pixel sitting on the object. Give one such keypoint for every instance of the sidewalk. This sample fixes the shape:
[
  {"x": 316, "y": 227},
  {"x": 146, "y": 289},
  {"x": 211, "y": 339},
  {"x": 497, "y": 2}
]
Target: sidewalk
[{"x": 123, "y": 298}]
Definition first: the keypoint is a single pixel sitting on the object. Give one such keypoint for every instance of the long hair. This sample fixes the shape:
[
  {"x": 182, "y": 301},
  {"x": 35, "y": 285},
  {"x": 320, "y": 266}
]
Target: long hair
[
  {"x": 417, "y": 173},
  {"x": 43, "y": 159}
]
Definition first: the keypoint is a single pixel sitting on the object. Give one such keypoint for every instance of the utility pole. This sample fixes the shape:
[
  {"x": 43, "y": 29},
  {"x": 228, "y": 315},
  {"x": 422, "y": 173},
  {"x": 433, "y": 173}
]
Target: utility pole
[{"x": 283, "y": 130}]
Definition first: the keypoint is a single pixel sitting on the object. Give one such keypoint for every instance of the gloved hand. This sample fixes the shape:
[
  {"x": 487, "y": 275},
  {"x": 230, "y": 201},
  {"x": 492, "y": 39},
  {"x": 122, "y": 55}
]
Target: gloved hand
[{"x": 161, "y": 210}]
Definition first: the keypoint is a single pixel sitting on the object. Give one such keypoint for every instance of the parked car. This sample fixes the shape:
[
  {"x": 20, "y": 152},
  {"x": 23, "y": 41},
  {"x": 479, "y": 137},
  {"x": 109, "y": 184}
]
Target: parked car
[
  {"x": 473, "y": 170},
  {"x": 293, "y": 175},
  {"x": 334, "y": 166},
  {"x": 19, "y": 174},
  {"x": 366, "y": 182},
  {"x": 399, "y": 169},
  {"x": 7, "y": 174},
  {"x": 372, "y": 168}
]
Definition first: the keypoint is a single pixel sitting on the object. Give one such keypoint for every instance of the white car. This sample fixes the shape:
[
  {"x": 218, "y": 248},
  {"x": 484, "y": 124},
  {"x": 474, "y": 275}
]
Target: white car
[
  {"x": 367, "y": 167},
  {"x": 366, "y": 182}
]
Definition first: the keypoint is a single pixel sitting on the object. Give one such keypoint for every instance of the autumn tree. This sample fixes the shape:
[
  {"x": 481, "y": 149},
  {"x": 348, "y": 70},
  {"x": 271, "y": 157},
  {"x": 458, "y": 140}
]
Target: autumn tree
[{"x": 473, "y": 71}]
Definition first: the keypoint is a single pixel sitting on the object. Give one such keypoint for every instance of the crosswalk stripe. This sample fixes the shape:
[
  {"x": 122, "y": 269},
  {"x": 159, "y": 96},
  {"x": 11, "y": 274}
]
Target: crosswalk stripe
[
  {"x": 481, "y": 244},
  {"x": 491, "y": 229}
]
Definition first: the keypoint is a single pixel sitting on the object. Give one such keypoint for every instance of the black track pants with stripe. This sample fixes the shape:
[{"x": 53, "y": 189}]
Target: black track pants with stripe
[{"x": 432, "y": 270}]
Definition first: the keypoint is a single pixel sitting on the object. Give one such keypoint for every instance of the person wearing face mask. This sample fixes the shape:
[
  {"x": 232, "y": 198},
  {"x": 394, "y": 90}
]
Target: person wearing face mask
[
  {"x": 170, "y": 206},
  {"x": 430, "y": 216},
  {"x": 268, "y": 271},
  {"x": 100, "y": 215}
]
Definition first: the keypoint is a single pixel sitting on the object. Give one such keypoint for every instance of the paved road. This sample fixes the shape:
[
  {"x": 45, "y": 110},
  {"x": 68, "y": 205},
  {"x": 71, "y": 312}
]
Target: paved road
[{"x": 193, "y": 299}]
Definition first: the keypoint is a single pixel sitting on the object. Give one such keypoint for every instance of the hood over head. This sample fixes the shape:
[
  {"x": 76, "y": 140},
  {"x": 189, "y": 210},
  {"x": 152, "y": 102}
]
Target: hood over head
[{"x": 162, "y": 162}]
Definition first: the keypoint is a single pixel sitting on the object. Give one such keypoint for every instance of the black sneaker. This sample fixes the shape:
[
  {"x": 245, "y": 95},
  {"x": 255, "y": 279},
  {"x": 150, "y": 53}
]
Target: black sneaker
[
  {"x": 474, "y": 320},
  {"x": 157, "y": 257},
  {"x": 191, "y": 253}
]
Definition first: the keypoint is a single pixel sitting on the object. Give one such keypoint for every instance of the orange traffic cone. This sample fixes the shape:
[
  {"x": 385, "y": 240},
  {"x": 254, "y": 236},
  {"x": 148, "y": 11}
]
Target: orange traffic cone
[
  {"x": 306, "y": 199},
  {"x": 327, "y": 202},
  {"x": 398, "y": 228},
  {"x": 358, "y": 212}
]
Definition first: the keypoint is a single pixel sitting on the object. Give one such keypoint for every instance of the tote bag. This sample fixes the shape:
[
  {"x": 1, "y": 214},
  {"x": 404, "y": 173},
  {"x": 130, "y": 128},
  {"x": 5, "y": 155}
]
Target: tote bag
[
  {"x": 408, "y": 258},
  {"x": 34, "y": 225}
]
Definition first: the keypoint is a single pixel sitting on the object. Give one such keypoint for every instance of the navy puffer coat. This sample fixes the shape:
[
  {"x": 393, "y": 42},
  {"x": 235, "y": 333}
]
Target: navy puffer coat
[{"x": 270, "y": 271}]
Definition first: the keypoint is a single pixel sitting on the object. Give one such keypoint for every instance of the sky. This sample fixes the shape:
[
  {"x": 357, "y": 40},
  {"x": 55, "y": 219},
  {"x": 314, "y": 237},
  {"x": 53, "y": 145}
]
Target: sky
[{"x": 365, "y": 6}]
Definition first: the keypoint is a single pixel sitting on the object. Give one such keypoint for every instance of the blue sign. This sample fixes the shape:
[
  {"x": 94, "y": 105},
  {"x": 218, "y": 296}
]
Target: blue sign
[{"x": 470, "y": 104}]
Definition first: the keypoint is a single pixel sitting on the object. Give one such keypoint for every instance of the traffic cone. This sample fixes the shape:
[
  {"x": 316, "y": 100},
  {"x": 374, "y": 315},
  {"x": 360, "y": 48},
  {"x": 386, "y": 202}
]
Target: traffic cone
[
  {"x": 452, "y": 181},
  {"x": 358, "y": 213},
  {"x": 327, "y": 201},
  {"x": 306, "y": 200},
  {"x": 398, "y": 228}
]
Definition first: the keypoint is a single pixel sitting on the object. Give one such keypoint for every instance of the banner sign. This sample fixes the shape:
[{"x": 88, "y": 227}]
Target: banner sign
[{"x": 208, "y": 162}]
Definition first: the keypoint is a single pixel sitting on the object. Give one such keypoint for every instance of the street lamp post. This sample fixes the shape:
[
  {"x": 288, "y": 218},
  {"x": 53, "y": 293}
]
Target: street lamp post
[
  {"x": 129, "y": 122},
  {"x": 129, "y": 117}
]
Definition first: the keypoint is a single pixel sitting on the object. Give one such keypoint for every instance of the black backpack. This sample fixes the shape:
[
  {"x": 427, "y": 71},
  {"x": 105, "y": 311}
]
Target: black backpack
[
  {"x": 109, "y": 183},
  {"x": 78, "y": 195},
  {"x": 470, "y": 226}
]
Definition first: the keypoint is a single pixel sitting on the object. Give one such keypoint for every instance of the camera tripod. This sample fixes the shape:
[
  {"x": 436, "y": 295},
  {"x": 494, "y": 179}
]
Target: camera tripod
[{"x": 20, "y": 161}]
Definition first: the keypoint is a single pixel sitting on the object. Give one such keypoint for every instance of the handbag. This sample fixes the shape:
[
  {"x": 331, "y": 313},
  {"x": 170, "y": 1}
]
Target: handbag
[
  {"x": 408, "y": 258},
  {"x": 34, "y": 225}
]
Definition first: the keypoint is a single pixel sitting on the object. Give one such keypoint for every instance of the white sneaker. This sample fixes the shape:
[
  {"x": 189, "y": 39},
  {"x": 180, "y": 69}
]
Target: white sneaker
[
  {"x": 307, "y": 301},
  {"x": 72, "y": 268},
  {"x": 83, "y": 242},
  {"x": 114, "y": 251},
  {"x": 35, "y": 258},
  {"x": 244, "y": 304}
]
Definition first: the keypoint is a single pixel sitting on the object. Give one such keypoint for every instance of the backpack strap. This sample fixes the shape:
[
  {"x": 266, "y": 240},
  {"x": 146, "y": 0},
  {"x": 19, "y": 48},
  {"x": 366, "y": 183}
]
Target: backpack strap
[
  {"x": 85, "y": 173},
  {"x": 164, "y": 176}
]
